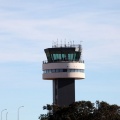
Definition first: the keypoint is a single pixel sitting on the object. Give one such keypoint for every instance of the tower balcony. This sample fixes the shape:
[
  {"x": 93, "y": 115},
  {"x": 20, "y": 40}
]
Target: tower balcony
[
  {"x": 66, "y": 61},
  {"x": 64, "y": 75},
  {"x": 69, "y": 69}
]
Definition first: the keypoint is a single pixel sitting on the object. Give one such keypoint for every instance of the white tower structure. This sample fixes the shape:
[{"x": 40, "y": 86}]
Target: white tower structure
[{"x": 63, "y": 66}]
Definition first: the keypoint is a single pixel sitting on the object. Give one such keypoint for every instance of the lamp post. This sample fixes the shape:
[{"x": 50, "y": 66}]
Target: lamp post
[
  {"x": 18, "y": 111},
  {"x": 6, "y": 115},
  {"x": 1, "y": 112}
]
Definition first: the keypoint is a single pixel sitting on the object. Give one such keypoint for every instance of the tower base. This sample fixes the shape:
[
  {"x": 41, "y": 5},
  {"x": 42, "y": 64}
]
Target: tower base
[{"x": 63, "y": 91}]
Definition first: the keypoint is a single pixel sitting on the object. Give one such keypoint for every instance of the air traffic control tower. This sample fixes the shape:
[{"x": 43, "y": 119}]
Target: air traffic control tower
[{"x": 63, "y": 66}]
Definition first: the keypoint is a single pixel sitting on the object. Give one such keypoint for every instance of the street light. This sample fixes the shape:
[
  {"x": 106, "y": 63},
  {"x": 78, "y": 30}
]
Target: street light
[
  {"x": 6, "y": 115},
  {"x": 1, "y": 112},
  {"x": 18, "y": 111}
]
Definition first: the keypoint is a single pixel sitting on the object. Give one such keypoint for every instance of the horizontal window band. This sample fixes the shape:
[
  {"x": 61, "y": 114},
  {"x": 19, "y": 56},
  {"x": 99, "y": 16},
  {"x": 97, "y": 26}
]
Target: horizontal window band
[{"x": 62, "y": 70}]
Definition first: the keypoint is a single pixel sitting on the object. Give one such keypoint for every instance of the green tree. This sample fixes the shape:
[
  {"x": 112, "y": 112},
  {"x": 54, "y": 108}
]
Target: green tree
[{"x": 82, "y": 110}]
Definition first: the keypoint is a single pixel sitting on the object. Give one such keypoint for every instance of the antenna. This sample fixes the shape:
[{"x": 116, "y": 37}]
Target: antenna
[
  {"x": 61, "y": 43},
  {"x": 68, "y": 44},
  {"x": 52, "y": 43},
  {"x": 65, "y": 42},
  {"x": 73, "y": 42},
  {"x": 81, "y": 42},
  {"x": 57, "y": 42}
]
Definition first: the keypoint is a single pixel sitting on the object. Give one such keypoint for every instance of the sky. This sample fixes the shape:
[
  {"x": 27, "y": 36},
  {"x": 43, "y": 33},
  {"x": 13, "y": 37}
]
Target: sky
[{"x": 27, "y": 27}]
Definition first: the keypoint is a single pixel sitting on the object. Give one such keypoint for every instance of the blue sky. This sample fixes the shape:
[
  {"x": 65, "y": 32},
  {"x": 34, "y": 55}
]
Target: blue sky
[{"x": 28, "y": 27}]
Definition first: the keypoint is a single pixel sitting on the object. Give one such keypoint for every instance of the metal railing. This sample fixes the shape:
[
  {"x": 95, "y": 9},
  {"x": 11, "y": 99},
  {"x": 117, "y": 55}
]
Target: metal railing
[
  {"x": 62, "y": 61},
  {"x": 66, "y": 45}
]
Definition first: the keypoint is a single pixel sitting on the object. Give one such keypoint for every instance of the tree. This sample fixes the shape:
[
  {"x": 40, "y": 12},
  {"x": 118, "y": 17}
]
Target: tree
[{"x": 82, "y": 110}]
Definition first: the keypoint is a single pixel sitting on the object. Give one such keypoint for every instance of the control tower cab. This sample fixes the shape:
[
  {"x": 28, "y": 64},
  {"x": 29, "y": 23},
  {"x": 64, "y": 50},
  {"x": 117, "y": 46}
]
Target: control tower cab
[{"x": 63, "y": 67}]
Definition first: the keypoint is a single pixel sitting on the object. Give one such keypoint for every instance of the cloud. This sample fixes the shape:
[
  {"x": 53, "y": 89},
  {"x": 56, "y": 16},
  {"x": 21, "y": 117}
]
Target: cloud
[
  {"x": 24, "y": 39},
  {"x": 37, "y": 29}
]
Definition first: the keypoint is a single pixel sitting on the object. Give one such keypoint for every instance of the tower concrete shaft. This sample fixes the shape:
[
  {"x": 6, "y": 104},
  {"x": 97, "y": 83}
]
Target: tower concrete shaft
[{"x": 63, "y": 91}]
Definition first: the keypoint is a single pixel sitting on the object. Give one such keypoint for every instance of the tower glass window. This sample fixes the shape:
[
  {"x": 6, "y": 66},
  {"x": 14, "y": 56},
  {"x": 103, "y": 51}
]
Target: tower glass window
[{"x": 63, "y": 54}]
